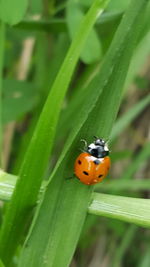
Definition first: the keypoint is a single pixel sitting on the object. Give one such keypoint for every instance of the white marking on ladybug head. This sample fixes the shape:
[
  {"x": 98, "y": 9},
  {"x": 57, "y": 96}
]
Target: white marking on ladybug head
[
  {"x": 106, "y": 147},
  {"x": 92, "y": 146}
]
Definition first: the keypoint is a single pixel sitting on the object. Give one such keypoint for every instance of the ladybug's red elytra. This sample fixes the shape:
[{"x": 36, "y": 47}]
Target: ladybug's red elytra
[{"x": 92, "y": 166}]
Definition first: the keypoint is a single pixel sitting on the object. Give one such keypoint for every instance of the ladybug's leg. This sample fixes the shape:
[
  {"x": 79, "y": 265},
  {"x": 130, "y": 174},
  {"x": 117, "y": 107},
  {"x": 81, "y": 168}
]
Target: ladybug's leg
[
  {"x": 82, "y": 150},
  {"x": 97, "y": 161},
  {"x": 71, "y": 177}
]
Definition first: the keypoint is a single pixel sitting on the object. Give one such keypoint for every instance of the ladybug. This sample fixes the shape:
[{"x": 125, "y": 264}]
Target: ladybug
[{"x": 92, "y": 166}]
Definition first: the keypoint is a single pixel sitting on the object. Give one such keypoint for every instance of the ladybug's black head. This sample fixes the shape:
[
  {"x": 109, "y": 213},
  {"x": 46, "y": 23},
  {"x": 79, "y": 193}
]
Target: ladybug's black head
[
  {"x": 99, "y": 142},
  {"x": 98, "y": 149}
]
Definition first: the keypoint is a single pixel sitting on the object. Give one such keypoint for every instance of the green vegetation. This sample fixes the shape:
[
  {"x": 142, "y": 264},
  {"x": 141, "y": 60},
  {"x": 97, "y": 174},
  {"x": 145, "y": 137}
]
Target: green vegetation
[{"x": 69, "y": 71}]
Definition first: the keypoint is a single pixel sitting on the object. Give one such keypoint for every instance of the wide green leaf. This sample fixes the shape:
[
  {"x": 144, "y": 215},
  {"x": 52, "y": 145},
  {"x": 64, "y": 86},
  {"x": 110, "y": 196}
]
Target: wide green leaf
[
  {"x": 118, "y": 5},
  {"x": 31, "y": 173},
  {"x": 12, "y": 11},
  {"x": 61, "y": 215}
]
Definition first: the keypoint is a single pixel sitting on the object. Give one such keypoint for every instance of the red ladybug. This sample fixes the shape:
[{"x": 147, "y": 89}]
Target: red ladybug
[{"x": 92, "y": 166}]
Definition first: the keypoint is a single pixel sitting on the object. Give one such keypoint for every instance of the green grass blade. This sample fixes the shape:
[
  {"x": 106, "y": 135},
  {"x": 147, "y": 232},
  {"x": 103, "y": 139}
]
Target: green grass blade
[
  {"x": 12, "y": 12},
  {"x": 1, "y": 264},
  {"x": 2, "y": 35},
  {"x": 7, "y": 185},
  {"x": 145, "y": 261},
  {"x": 128, "y": 117},
  {"x": 139, "y": 59},
  {"x": 137, "y": 161},
  {"x": 52, "y": 25},
  {"x": 122, "y": 184},
  {"x": 53, "y": 68},
  {"x": 124, "y": 245},
  {"x": 60, "y": 217},
  {"x": 8, "y": 182},
  {"x": 28, "y": 185},
  {"x": 118, "y": 207},
  {"x": 74, "y": 18},
  {"x": 57, "y": 25}
]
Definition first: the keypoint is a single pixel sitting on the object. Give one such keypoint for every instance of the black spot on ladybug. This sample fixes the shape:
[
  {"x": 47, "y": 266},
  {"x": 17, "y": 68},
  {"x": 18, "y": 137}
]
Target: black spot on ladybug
[
  {"x": 96, "y": 161},
  {"x": 86, "y": 173},
  {"x": 100, "y": 175},
  {"x": 108, "y": 168},
  {"x": 79, "y": 161}
]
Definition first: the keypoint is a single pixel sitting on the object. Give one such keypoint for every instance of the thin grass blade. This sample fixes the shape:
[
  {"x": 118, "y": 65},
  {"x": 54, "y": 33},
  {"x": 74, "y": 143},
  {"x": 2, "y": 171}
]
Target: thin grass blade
[
  {"x": 118, "y": 207},
  {"x": 124, "y": 245},
  {"x": 2, "y": 36},
  {"x": 120, "y": 184},
  {"x": 137, "y": 162},
  {"x": 128, "y": 117}
]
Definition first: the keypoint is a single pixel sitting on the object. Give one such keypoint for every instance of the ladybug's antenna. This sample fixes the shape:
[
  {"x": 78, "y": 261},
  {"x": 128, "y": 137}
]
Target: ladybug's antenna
[
  {"x": 107, "y": 141},
  {"x": 96, "y": 137},
  {"x": 85, "y": 143}
]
